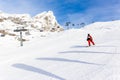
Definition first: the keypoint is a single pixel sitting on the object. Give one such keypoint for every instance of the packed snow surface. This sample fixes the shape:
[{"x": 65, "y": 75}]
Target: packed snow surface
[{"x": 63, "y": 55}]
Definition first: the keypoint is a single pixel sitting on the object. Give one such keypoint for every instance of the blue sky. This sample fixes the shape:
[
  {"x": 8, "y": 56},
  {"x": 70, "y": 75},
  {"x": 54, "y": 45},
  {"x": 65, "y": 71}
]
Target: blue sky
[{"x": 75, "y": 11}]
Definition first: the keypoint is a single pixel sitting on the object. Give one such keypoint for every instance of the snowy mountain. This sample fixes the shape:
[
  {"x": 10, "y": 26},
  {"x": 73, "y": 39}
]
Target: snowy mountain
[
  {"x": 104, "y": 25},
  {"x": 43, "y": 22},
  {"x": 63, "y": 55}
]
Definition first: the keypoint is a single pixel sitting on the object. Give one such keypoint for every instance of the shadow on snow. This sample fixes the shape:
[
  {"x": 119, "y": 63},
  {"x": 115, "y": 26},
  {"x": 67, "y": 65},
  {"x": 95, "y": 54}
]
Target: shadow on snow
[
  {"x": 94, "y": 52},
  {"x": 36, "y": 70},
  {"x": 67, "y": 60},
  {"x": 79, "y": 46}
]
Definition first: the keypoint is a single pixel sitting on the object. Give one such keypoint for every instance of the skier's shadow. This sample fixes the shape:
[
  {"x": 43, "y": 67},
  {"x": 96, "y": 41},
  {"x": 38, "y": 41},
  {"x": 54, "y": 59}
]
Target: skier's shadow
[
  {"x": 83, "y": 46},
  {"x": 86, "y": 47},
  {"x": 36, "y": 70},
  {"x": 78, "y": 46}
]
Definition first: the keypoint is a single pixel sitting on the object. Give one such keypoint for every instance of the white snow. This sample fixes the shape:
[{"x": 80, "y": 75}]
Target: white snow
[{"x": 63, "y": 55}]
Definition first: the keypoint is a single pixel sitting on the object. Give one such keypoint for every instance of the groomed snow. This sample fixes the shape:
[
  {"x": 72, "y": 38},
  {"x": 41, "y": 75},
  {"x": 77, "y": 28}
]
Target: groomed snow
[{"x": 62, "y": 56}]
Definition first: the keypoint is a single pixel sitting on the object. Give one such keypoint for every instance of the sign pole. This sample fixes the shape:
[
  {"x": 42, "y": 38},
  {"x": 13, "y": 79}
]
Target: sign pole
[
  {"x": 21, "y": 41},
  {"x": 19, "y": 29}
]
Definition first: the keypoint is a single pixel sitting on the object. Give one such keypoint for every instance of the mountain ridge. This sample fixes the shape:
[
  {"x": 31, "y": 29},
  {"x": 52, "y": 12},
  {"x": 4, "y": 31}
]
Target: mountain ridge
[{"x": 39, "y": 22}]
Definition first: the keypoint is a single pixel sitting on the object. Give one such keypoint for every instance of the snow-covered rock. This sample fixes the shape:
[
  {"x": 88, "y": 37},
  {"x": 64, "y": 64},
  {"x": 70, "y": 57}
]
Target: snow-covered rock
[{"x": 45, "y": 21}]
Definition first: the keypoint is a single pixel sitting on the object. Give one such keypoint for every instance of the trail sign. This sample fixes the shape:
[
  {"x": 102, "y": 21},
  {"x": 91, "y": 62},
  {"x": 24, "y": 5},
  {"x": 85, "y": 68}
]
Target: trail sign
[{"x": 20, "y": 29}]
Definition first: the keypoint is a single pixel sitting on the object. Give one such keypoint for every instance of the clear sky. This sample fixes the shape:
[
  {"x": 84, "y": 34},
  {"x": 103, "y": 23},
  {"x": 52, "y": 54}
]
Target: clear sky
[{"x": 75, "y": 11}]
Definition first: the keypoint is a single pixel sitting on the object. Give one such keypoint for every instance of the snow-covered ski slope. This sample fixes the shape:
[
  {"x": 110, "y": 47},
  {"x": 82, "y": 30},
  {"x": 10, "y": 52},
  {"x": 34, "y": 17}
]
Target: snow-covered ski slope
[{"x": 64, "y": 55}]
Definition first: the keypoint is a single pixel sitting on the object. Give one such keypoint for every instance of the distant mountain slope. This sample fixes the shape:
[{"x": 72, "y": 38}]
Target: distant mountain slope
[{"x": 104, "y": 25}]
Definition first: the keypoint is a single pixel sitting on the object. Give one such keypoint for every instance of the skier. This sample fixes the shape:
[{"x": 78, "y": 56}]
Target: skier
[{"x": 90, "y": 40}]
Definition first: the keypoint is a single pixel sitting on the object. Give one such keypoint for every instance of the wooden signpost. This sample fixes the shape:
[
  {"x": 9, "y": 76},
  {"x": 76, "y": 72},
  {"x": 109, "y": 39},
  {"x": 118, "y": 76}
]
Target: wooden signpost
[{"x": 20, "y": 29}]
